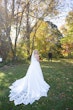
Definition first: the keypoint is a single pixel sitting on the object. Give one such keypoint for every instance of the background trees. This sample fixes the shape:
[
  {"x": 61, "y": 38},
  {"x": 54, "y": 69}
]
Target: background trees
[
  {"x": 67, "y": 40},
  {"x": 23, "y": 28},
  {"x": 46, "y": 37}
]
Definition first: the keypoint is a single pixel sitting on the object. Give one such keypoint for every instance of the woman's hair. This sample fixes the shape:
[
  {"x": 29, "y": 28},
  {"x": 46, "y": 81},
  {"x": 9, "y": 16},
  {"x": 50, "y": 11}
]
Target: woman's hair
[{"x": 35, "y": 51}]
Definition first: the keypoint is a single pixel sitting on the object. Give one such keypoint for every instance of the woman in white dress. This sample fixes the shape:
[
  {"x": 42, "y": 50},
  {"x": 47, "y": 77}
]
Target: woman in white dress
[{"x": 32, "y": 86}]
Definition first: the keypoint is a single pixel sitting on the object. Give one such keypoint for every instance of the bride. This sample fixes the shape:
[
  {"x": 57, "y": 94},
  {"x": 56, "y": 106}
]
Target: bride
[{"x": 32, "y": 86}]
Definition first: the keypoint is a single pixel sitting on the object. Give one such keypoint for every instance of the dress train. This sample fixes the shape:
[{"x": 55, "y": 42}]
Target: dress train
[{"x": 29, "y": 88}]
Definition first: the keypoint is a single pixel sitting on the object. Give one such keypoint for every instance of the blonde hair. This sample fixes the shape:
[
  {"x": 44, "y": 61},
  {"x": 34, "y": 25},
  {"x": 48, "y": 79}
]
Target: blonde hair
[{"x": 35, "y": 51}]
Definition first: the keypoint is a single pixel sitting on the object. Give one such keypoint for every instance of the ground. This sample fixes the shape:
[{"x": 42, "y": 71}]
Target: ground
[{"x": 58, "y": 74}]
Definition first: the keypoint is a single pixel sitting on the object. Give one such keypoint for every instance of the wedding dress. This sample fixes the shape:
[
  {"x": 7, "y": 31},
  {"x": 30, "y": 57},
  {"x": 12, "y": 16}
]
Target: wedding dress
[{"x": 31, "y": 87}]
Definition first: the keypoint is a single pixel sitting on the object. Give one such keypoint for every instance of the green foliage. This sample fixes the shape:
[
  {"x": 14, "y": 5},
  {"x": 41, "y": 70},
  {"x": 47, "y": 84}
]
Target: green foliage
[
  {"x": 45, "y": 37},
  {"x": 22, "y": 16},
  {"x": 22, "y": 51},
  {"x": 67, "y": 40}
]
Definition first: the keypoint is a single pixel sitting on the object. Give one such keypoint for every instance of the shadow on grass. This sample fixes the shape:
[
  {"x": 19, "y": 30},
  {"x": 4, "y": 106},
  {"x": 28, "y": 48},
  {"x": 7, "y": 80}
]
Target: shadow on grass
[{"x": 58, "y": 74}]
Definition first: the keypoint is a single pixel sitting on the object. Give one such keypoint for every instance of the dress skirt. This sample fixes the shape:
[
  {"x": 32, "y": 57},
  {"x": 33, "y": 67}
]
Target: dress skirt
[{"x": 29, "y": 88}]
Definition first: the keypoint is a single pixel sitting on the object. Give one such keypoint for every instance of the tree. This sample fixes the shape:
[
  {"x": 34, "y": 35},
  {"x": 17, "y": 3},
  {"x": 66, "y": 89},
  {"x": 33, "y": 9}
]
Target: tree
[
  {"x": 67, "y": 41},
  {"x": 23, "y": 16},
  {"x": 4, "y": 44},
  {"x": 12, "y": 19},
  {"x": 47, "y": 36}
]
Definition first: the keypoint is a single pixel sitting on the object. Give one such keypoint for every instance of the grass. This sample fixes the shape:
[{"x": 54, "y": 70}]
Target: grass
[{"x": 58, "y": 74}]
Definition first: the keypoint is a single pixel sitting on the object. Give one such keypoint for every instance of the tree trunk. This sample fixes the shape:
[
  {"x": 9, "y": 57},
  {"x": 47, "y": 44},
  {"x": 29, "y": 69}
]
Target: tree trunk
[{"x": 28, "y": 29}]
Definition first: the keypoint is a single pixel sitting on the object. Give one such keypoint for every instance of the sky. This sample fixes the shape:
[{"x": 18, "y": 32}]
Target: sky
[{"x": 60, "y": 19}]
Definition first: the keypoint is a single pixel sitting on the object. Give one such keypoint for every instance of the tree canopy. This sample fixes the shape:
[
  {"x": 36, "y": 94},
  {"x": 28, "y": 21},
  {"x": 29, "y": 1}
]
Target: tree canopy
[{"x": 23, "y": 26}]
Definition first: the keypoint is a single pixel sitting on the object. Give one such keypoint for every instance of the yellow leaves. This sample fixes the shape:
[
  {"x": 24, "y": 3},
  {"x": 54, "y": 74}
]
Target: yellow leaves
[
  {"x": 41, "y": 30},
  {"x": 42, "y": 26},
  {"x": 31, "y": 34},
  {"x": 65, "y": 54}
]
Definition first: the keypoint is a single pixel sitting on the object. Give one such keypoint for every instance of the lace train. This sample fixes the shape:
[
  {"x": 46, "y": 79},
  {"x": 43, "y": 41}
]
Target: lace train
[{"x": 29, "y": 88}]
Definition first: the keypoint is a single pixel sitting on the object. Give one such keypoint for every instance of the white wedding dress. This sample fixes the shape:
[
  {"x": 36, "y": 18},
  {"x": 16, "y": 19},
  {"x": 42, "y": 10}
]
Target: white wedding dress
[{"x": 31, "y": 87}]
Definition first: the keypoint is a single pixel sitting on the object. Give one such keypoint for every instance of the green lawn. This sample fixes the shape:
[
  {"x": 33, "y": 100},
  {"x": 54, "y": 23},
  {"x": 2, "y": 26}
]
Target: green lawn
[{"x": 58, "y": 74}]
